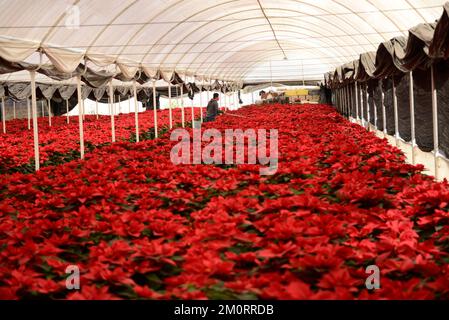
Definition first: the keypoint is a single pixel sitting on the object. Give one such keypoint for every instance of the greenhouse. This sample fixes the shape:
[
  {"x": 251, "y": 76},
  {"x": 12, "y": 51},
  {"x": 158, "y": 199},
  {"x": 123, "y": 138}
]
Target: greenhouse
[{"x": 224, "y": 150}]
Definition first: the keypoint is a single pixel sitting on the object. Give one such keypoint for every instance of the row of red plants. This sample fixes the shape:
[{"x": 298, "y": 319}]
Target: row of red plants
[
  {"x": 139, "y": 227},
  {"x": 60, "y": 141}
]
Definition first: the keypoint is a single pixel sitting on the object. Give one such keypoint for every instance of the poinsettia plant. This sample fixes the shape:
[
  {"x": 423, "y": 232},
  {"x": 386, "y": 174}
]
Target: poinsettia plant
[{"x": 140, "y": 227}]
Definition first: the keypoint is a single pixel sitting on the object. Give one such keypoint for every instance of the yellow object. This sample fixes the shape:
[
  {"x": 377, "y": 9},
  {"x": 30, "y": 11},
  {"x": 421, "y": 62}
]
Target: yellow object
[{"x": 298, "y": 92}]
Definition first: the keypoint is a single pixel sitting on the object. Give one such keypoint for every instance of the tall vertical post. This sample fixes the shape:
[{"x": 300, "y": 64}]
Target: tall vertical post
[
  {"x": 83, "y": 110},
  {"x": 136, "y": 111},
  {"x": 29, "y": 113},
  {"x": 356, "y": 101},
  {"x": 340, "y": 108},
  {"x": 343, "y": 102},
  {"x": 252, "y": 97},
  {"x": 49, "y": 112},
  {"x": 183, "y": 116},
  {"x": 348, "y": 99},
  {"x": 111, "y": 101},
  {"x": 35, "y": 129},
  {"x": 412, "y": 116},
  {"x": 362, "y": 115},
  {"x": 384, "y": 110},
  {"x": 396, "y": 113},
  {"x": 201, "y": 102},
  {"x": 96, "y": 108},
  {"x": 193, "y": 110},
  {"x": 129, "y": 104},
  {"x": 80, "y": 115},
  {"x": 67, "y": 110},
  {"x": 436, "y": 144},
  {"x": 375, "y": 108},
  {"x": 193, "y": 114},
  {"x": 169, "y": 105},
  {"x": 3, "y": 114},
  {"x": 14, "y": 108},
  {"x": 368, "y": 107},
  {"x": 340, "y": 100},
  {"x": 154, "y": 109}
]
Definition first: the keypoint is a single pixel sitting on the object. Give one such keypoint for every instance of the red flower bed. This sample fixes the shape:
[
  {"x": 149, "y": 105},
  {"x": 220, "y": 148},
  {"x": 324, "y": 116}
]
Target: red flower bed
[
  {"x": 17, "y": 144},
  {"x": 140, "y": 227}
]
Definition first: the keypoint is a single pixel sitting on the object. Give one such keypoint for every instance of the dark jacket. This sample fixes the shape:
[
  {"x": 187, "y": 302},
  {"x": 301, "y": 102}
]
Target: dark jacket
[{"x": 212, "y": 110}]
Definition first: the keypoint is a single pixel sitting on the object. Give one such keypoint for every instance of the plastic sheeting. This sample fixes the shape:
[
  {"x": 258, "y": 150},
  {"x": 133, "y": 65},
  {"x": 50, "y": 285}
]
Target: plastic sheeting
[{"x": 220, "y": 39}]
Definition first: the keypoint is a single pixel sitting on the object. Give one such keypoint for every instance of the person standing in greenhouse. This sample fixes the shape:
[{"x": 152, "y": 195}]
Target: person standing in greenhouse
[{"x": 212, "y": 108}]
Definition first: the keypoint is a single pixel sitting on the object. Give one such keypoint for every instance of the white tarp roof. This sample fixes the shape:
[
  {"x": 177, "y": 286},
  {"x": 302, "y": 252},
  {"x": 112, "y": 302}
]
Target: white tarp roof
[{"x": 219, "y": 39}]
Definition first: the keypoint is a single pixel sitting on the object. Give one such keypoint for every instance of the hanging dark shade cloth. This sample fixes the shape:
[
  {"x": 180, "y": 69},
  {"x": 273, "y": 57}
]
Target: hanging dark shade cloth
[
  {"x": 353, "y": 102},
  {"x": 442, "y": 85},
  {"x": 58, "y": 103},
  {"x": 378, "y": 103},
  {"x": 402, "y": 82},
  {"x": 364, "y": 102},
  {"x": 359, "y": 102},
  {"x": 387, "y": 85},
  {"x": 423, "y": 109},
  {"x": 372, "y": 84}
]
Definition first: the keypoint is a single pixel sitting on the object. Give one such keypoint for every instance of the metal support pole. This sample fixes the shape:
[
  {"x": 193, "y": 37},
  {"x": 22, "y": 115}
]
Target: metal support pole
[
  {"x": 154, "y": 109},
  {"x": 29, "y": 113},
  {"x": 96, "y": 108},
  {"x": 384, "y": 110},
  {"x": 14, "y": 108},
  {"x": 49, "y": 112},
  {"x": 136, "y": 111},
  {"x": 368, "y": 115},
  {"x": 412, "y": 116},
  {"x": 340, "y": 101},
  {"x": 3, "y": 114},
  {"x": 375, "y": 109},
  {"x": 80, "y": 115},
  {"x": 362, "y": 115},
  {"x": 111, "y": 101},
  {"x": 183, "y": 116},
  {"x": 169, "y": 105},
  {"x": 201, "y": 102},
  {"x": 396, "y": 113},
  {"x": 348, "y": 99},
  {"x": 67, "y": 109},
  {"x": 193, "y": 114},
  {"x": 35, "y": 128},
  {"x": 436, "y": 145}
]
